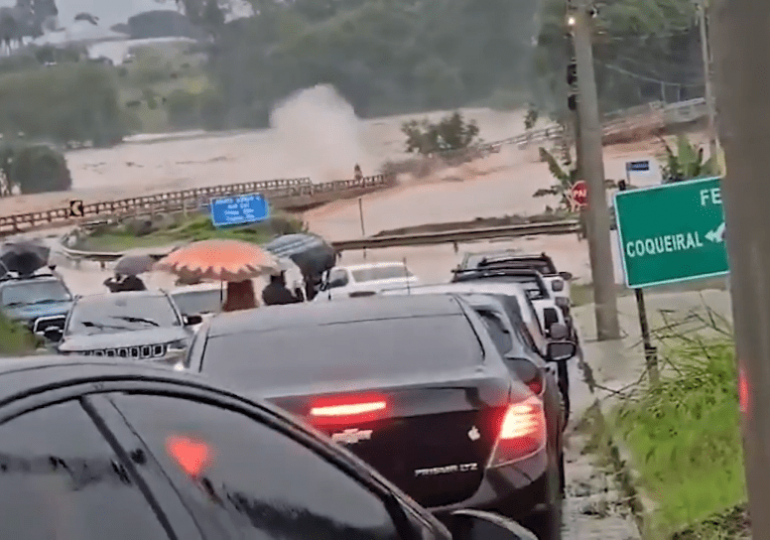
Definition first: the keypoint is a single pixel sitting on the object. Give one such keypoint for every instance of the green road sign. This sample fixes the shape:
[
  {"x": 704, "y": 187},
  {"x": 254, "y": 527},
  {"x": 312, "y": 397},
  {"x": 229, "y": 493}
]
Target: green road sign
[{"x": 673, "y": 232}]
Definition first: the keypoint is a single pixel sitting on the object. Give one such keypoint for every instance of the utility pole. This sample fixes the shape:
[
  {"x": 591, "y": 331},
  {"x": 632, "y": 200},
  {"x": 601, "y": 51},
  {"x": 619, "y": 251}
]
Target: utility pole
[
  {"x": 592, "y": 165},
  {"x": 707, "y": 75},
  {"x": 742, "y": 85}
]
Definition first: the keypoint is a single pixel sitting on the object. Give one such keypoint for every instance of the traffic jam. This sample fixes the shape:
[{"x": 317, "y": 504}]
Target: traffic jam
[{"x": 273, "y": 393}]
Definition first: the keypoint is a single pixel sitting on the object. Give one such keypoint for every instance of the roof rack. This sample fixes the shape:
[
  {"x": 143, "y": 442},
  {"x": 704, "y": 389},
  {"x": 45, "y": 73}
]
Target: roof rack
[{"x": 510, "y": 270}]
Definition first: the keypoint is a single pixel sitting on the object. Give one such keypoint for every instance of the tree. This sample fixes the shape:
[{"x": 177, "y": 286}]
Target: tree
[
  {"x": 687, "y": 163},
  {"x": 450, "y": 133},
  {"x": 565, "y": 173},
  {"x": 39, "y": 169},
  {"x": 73, "y": 103},
  {"x": 183, "y": 109}
]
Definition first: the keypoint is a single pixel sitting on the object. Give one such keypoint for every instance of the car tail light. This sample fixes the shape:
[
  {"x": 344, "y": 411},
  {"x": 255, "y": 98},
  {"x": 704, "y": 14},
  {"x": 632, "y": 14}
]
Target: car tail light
[
  {"x": 529, "y": 373},
  {"x": 340, "y": 410},
  {"x": 522, "y": 432}
]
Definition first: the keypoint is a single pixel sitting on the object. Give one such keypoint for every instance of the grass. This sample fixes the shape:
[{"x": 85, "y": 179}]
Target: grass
[
  {"x": 15, "y": 339},
  {"x": 124, "y": 236},
  {"x": 685, "y": 440}
]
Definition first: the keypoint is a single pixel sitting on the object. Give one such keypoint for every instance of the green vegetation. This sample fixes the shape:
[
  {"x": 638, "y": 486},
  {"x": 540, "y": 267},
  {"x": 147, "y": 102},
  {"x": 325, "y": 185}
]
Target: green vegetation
[
  {"x": 685, "y": 439},
  {"x": 15, "y": 339},
  {"x": 644, "y": 50},
  {"x": 449, "y": 133},
  {"x": 33, "y": 168},
  {"x": 687, "y": 162},
  {"x": 565, "y": 173},
  {"x": 65, "y": 103},
  {"x": 168, "y": 231}
]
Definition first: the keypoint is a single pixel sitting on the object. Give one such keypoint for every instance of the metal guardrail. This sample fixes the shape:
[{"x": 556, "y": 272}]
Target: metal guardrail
[
  {"x": 283, "y": 193},
  {"x": 459, "y": 236},
  {"x": 418, "y": 239}
]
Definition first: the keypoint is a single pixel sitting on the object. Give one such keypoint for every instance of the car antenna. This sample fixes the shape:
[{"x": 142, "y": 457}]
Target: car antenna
[{"x": 406, "y": 275}]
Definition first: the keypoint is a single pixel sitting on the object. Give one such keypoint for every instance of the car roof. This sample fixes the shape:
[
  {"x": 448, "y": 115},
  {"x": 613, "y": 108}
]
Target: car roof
[
  {"x": 123, "y": 294},
  {"x": 374, "y": 265},
  {"x": 338, "y": 312},
  {"x": 462, "y": 288},
  {"x": 22, "y": 374},
  {"x": 31, "y": 279}
]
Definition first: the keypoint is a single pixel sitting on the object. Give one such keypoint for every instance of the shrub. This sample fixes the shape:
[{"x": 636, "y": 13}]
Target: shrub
[
  {"x": 40, "y": 169},
  {"x": 14, "y": 338},
  {"x": 450, "y": 133}
]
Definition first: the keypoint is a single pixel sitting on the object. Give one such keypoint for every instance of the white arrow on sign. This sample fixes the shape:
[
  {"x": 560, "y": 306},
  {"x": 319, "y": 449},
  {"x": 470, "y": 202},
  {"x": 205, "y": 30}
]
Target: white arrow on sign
[{"x": 717, "y": 235}]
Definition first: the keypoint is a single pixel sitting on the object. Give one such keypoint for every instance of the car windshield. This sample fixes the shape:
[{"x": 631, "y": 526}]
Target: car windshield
[
  {"x": 115, "y": 313},
  {"x": 198, "y": 302},
  {"x": 343, "y": 352},
  {"x": 376, "y": 273},
  {"x": 34, "y": 292}
]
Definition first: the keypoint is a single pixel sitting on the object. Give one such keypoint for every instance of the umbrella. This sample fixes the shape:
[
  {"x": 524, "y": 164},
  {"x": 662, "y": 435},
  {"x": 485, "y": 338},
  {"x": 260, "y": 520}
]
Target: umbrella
[
  {"x": 222, "y": 260},
  {"x": 133, "y": 265},
  {"x": 24, "y": 258},
  {"x": 310, "y": 253}
]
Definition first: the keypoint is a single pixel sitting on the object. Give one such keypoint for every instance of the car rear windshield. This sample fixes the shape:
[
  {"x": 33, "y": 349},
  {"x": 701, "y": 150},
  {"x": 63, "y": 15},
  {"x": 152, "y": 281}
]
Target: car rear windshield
[
  {"x": 342, "y": 352},
  {"x": 34, "y": 292},
  {"x": 377, "y": 273},
  {"x": 198, "y": 302}
]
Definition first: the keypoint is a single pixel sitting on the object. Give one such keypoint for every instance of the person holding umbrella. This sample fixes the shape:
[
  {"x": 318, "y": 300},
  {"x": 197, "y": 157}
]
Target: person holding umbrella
[
  {"x": 232, "y": 261},
  {"x": 127, "y": 271},
  {"x": 277, "y": 293}
]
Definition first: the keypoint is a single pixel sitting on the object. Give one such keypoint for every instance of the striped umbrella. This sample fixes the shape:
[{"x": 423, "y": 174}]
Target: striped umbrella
[{"x": 221, "y": 260}]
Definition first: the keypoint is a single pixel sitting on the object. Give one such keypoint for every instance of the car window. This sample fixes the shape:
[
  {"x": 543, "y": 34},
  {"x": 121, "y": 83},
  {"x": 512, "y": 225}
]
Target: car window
[
  {"x": 198, "y": 302},
  {"x": 525, "y": 322},
  {"x": 34, "y": 292},
  {"x": 376, "y": 273},
  {"x": 339, "y": 274},
  {"x": 497, "y": 331},
  {"x": 109, "y": 314},
  {"x": 343, "y": 352},
  {"x": 252, "y": 479},
  {"x": 61, "y": 480}
]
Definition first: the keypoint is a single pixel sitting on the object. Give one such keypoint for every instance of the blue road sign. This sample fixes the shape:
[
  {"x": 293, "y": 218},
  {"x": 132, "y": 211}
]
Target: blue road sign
[
  {"x": 239, "y": 210},
  {"x": 638, "y": 166}
]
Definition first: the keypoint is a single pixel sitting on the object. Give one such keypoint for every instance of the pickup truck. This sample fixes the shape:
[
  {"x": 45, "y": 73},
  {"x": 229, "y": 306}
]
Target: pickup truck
[
  {"x": 529, "y": 280},
  {"x": 557, "y": 282}
]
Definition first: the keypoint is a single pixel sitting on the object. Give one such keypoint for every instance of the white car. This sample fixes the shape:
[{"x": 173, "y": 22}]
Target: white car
[
  {"x": 531, "y": 314},
  {"x": 364, "y": 280}
]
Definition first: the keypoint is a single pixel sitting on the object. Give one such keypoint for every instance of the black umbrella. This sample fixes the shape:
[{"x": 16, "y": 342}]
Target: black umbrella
[
  {"x": 133, "y": 265},
  {"x": 310, "y": 253},
  {"x": 24, "y": 258}
]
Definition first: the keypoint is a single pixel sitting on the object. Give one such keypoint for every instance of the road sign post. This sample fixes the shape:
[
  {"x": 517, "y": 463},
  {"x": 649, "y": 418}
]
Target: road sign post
[
  {"x": 672, "y": 233},
  {"x": 230, "y": 211},
  {"x": 668, "y": 234}
]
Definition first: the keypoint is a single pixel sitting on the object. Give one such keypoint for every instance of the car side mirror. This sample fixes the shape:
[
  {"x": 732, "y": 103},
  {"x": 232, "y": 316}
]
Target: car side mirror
[
  {"x": 558, "y": 331},
  {"x": 478, "y": 525},
  {"x": 192, "y": 320},
  {"x": 557, "y": 285},
  {"x": 566, "y": 276},
  {"x": 53, "y": 334},
  {"x": 559, "y": 351}
]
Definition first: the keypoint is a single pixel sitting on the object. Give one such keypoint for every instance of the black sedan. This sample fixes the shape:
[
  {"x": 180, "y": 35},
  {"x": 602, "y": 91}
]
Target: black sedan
[
  {"x": 94, "y": 450},
  {"x": 414, "y": 385}
]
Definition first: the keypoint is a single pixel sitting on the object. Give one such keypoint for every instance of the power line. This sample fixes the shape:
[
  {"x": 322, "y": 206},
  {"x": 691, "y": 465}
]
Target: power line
[{"x": 646, "y": 78}]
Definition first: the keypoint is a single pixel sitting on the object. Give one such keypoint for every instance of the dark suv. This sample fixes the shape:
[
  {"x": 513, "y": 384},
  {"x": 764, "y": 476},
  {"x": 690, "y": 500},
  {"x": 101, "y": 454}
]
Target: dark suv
[{"x": 40, "y": 302}]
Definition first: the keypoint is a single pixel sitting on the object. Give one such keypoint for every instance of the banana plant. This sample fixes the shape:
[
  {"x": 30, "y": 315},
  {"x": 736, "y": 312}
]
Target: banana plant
[
  {"x": 687, "y": 163},
  {"x": 565, "y": 173}
]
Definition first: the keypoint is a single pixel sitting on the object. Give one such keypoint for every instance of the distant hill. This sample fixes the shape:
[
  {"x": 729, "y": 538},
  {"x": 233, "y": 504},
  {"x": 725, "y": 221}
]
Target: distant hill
[{"x": 160, "y": 24}]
